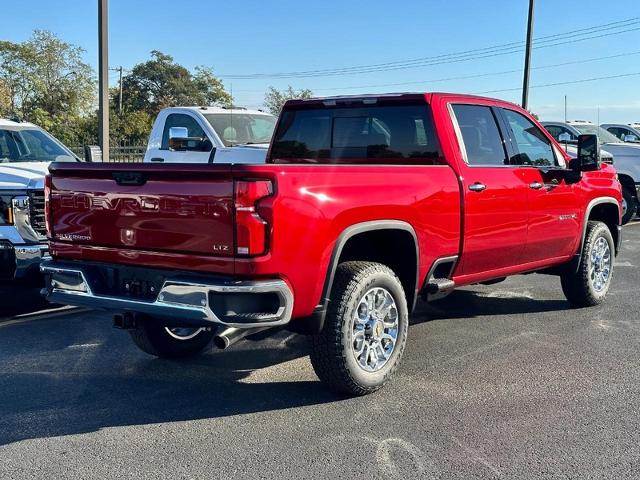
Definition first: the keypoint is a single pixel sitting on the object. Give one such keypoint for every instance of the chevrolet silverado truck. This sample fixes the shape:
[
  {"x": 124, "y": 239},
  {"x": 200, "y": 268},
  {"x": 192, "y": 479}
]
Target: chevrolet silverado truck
[
  {"x": 364, "y": 205},
  {"x": 25, "y": 153}
]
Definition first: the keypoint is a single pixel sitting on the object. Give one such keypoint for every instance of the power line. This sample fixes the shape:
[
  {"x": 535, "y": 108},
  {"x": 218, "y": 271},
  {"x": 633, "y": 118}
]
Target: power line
[
  {"x": 556, "y": 84},
  {"x": 465, "y": 77},
  {"x": 486, "y": 52},
  {"x": 474, "y": 51},
  {"x": 461, "y": 59}
]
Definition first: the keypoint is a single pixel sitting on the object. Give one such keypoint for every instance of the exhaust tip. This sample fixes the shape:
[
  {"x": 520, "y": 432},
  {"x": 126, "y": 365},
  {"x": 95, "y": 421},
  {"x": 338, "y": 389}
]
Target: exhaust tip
[
  {"x": 231, "y": 335},
  {"x": 221, "y": 342}
]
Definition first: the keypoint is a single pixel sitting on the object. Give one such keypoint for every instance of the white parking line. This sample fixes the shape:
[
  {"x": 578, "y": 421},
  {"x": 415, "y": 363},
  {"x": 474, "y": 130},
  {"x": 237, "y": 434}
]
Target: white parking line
[{"x": 41, "y": 315}]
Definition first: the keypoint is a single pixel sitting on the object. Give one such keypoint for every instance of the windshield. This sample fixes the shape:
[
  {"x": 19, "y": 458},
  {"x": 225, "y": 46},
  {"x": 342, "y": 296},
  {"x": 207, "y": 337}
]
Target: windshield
[
  {"x": 31, "y": 145},
  {"x": 603, "y": 135},
  {"x": 242, "y": 128}
]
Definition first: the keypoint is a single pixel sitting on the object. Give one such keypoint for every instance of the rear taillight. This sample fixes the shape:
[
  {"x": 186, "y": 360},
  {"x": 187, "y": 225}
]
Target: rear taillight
[
  {"x": 47, "y": 205},
  {"x": 251, "y": 229}
]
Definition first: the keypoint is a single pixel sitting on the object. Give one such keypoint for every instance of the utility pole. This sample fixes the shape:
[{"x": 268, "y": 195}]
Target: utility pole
[
  {"x": 120, "y": 96},
  {"x": 119, "y": 70},
  {"x": 527, "y": 57},
  {"x": 565, "y": 109},
  {"x": 103, "y": 79}
]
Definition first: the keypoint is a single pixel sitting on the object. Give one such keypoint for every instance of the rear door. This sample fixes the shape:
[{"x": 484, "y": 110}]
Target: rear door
[
  {"x": 495, "y": 194},
  {"x": 554, "y": 204}
]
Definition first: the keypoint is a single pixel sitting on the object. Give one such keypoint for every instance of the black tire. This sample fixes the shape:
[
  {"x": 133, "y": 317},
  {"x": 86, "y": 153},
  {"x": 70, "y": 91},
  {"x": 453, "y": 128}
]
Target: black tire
[
  {"x": 632, "y": 205},
  {"x": 578, "y": 286},
  {"x": 332, "y": 353},
  {"x": 153, "y": 338}
]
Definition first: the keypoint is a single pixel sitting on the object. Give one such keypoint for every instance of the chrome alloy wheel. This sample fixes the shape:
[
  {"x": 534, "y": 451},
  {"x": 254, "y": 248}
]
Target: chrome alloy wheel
[
  {"x": 183, "y": 333},
  {"x": 624, "y": 206},
  {"x": 374, "y": 329},
  {"x": 600, "y": 264}
]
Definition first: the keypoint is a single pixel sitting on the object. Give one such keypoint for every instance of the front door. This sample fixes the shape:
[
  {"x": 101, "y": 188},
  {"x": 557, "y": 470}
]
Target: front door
[
  {"x": 194, "y": 129},
  {"x": 554, "y": 206},
  {"x": 495, "y": 195}
]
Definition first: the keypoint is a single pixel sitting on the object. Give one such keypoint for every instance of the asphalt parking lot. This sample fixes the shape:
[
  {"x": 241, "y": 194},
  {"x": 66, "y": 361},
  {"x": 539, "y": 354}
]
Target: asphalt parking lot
[{"x": 502, "y": 381}]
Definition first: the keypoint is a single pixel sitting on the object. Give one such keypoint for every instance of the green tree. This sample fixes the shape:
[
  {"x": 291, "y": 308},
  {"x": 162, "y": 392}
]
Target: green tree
[
  {"x": 274, "y": 99},
  {"x": 5, "y": 100},
  {"x": 160, "y": 83},
  {"x": 131, "y": 128},
  {"x": 47, "y": 83}
]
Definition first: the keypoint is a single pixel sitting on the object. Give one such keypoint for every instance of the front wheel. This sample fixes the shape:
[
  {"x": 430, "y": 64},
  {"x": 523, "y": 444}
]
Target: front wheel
[
  {"x": 590, "y": 284},
  {"x": 170, "y": 342},
  {"x": 365, "y": 329}
]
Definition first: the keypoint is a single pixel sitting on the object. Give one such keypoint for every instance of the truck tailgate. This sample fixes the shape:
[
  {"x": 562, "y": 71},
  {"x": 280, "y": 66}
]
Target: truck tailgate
[{"x": 162, "y": 208}]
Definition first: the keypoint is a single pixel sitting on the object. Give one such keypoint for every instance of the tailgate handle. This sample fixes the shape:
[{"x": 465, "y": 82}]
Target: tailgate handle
[{"x": 129, "y": 178}]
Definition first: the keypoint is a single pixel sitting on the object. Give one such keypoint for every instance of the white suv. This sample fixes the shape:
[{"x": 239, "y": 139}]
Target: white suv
[{"x": 210, "y": 134}]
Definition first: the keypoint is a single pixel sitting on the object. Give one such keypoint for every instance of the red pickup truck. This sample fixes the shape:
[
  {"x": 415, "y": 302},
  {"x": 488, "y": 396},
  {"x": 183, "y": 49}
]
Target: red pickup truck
[{"x": 365, "y": 204}]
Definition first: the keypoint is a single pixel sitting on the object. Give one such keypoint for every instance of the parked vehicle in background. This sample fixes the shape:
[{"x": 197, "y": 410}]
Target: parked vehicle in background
[
  {"x": 624, "y": 132},
  {"x": 626, "y": 157},
  {"x": 433, "y": 191},
  {"x": 25, "y": 153},
  {"x": 210, "y": 134}
]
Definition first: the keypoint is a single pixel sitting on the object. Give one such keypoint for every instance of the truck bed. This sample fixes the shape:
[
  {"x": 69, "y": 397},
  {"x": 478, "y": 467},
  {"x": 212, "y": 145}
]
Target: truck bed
[{"x": 181, "y": 213}]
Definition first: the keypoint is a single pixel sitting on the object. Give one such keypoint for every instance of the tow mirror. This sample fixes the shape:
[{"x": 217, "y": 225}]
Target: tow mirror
[
  {"x": 179, "y": 140},
  {"x": 178, "y": 132},
  {"x": 588, "y": 154},
  {"x": 630, "y": 138},
  {"x": 564, "y": 137}
]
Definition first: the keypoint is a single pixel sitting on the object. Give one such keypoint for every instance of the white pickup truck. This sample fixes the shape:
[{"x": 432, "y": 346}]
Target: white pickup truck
[
  {"x": 25, "y": 153},
  {"x": 210, "y": 134}
]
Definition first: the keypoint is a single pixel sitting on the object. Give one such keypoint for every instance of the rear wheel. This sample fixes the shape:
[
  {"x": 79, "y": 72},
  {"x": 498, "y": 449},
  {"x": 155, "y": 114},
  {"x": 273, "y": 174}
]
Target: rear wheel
[
  {"x": 170, "y": 342},
  {"x": 365, "y": 329},
  {"x": 629, "y": 205},
  {"x": 590, "y": 284}
]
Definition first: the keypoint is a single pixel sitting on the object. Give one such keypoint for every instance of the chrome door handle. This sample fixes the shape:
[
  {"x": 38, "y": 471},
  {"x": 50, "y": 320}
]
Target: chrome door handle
[
  {"x": 536, "y": 185},
  {"x": 477, "y": 187}
]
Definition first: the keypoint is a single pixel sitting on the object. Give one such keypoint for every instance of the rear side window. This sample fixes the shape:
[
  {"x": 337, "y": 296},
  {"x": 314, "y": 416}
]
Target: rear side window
[
  {"x": 181, "y": 120},
  {"x": 618, "y": 132},
  {"x": 401, "y": 134},
  {"x": 482, "y": 141}
]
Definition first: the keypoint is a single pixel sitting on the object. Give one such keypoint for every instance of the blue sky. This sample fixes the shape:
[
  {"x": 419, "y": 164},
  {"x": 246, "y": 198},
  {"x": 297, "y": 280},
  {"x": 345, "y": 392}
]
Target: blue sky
[{"x": 249, "y": 37}]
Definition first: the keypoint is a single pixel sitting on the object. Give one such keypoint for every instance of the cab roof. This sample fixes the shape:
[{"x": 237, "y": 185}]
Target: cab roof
[
  {"x": 386, "y": 98},
  {"x": 5, "y": 122},
  {"x": 208, "y": 109}
]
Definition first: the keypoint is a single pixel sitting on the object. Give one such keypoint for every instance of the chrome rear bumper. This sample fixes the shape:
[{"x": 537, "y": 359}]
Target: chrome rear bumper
[{"x": 182, "y": 298}]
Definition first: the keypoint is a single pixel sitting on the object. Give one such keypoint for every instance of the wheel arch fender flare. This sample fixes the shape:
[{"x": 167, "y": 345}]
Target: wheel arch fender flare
[
  {"x": 315, "y": 322},
  {"x": 590, "y": 206}
]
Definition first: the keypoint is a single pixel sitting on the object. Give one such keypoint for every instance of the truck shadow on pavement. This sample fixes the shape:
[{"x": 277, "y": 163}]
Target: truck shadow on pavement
[
  {"x": 476, "y": 303},
  {"x": 20, "y": 298},
  {"x": 73, "y": 374},
  {"x": 65, "y": 377}
]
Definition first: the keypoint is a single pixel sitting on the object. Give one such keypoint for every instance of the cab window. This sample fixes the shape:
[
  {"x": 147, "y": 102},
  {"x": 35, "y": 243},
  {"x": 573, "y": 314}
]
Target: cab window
[
  {"x": 483, "y": 143},
  {"x": 533, "y": 147},
  {"x": 181, "y": 120}
]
